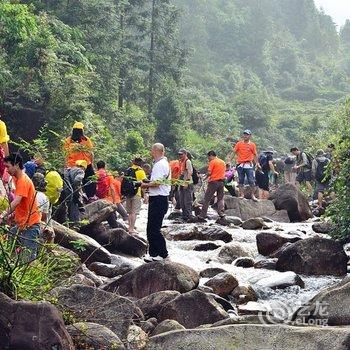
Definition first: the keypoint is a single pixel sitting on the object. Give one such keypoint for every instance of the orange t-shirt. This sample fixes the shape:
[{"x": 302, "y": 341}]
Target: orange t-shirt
[
  {"x": 246, "y": 151},
  {"x": 78, "y": 151},
  {"x": 175, "y": 169},
  {"x": 217, "y": 169},
  {"x": 117, "y": 185},
  {"x": 26, "y": 213}
]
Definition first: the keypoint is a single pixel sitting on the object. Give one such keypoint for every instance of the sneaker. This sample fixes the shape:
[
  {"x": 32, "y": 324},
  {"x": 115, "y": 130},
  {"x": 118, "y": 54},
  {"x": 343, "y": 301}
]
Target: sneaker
[
  {"x": 148, "y": 258},
  {"x": 158, "y": 258}
]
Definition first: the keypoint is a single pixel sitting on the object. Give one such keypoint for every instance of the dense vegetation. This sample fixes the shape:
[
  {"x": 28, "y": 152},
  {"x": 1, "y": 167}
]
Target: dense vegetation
[{"x": 185, "y": 72}]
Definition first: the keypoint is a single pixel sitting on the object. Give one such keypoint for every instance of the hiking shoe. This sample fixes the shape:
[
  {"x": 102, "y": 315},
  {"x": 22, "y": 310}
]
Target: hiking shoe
[
  {"x": 148, "y": 258},
  {"x": 159, "y": 258}
]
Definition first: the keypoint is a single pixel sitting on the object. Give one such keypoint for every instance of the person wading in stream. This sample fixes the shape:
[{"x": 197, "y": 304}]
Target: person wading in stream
[
  {"x": 247, "y": 155},
  {"x": 216, "y": 184},
  {"x": 158, "y": 203}
]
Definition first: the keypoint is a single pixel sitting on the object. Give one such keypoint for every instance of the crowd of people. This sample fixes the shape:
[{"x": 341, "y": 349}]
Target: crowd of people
[{"x": 32, "y": 191}]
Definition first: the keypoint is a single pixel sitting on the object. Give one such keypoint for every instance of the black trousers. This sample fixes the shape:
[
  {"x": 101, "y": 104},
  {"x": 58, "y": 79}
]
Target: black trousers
[
  {"x": 157, "y": 208},
  {"x": 90, "y": 189}
]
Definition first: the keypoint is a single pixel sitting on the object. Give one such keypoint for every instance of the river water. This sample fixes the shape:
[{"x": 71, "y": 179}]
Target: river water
[{"x": 284, "y": 300}]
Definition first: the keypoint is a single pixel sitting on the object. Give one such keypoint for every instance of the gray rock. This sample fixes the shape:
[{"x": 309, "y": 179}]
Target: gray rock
[
  {"x": 314, "y": 256},
  {"x": 97, "y": 306},
  {"x": 167, "y": 326},
  {"x": 90, "y": 275},
  {"x": 120, "y": 266},
  {"x": 211, "y": 272},
  {"x": 330, "y": 306},
  {"x": 207, "y": 310},
  {"x": 98, "y": 211},
  {"x": 77, "y": 279},
  {"x": 88, "y": 335},
  {"x": 269, "y": 242},
  {"x": 243, "y": 293},
  {"x": 137, "y": 339},
  {"x": 222, "y": 284},
  {"x": 203, "y": 247},
  {"x": 268, "y": 264},
  {"x": 153, "y": 303},
  {"x": 281, "y": 281},
  {"x": 21, "y": 323},
  {"x": 244, "y": 262},
  {"x": 253, "y": 224},
  {"x": 322, "y": 227},
  {"x": 252, "y": 308},
  {"x": 154, "y": 277},
  {"x": 231, "y": 252},
  {"x": 267, "y": 337}
]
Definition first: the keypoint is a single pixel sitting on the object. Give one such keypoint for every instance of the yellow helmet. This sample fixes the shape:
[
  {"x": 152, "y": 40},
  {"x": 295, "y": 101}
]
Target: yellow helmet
[
  {"x": 78, "y": 125},
  {"x": 3, "y": 133},
  {"x": 83, "y": 163}
]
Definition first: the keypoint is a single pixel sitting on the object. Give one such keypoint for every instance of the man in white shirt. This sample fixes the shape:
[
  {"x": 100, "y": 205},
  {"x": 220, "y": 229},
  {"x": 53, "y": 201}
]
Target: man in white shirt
[{"x": 159, "y": 191}]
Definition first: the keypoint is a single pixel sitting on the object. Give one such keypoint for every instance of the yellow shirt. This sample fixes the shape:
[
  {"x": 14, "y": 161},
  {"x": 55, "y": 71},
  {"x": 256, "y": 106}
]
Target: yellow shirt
[{"x": 140, "y": 175}]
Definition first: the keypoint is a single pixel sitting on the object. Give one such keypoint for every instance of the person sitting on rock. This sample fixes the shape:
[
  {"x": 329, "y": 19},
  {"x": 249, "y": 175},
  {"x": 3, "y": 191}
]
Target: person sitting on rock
[{"x": 247, "y": 155}]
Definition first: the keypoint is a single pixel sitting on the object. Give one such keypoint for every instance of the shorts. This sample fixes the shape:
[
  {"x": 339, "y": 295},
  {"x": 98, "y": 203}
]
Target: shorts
[
  {"x": 262, "y": 180},
  {"x": 133, "y": 204},
  {"x": 304, "y": 176},
  {"x": 243, "y": 173},
  {"x": 322, "y": 187}
]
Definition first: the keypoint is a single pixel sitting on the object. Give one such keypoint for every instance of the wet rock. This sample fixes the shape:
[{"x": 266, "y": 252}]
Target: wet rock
[
  {"x": 167, "y": 326},
  {"x": 289, "y": 197},
  {"x": 265, "y": 337},
  {"x": 222, "y": 284},
  {"x": 97, "y": 306},
  {"x": 247, "y": 209},
  {"x": 92, "y": 250},
  {"x": 234, "y": 220},
  {"x": 98, "y": 211},
  {"x": 231, "y": 252},
  {"x": 203, "y": 247},
  {"x": 207, "y": 310},
  {"x": 88, "y": 335},
  {"x": 244, "y": 262},
  {"x": 328, "y": 307},
  {"x": 314, "y": 256},
  {"x": 281, "y": 281},
  {"x": 154, "y": 277},
  {"x": 253, "y": 224},
  {"x": 243, "y": 293},
  {"x": 269, "y": 242},
  {"x": 21, "y": 323},
  {"x": 211, "y": 272},
  {"x": 226, "y": 305},
  {"x": 153, "y": 303},
  {"x": 322, "y": 227},
  {"x": 280, "y": 251},
  {"x": 268, "y": 264},
  {"x": 214, "y": 233},
  {"x": 137, "y": 339},
  {"x": 252, "y": 308}
]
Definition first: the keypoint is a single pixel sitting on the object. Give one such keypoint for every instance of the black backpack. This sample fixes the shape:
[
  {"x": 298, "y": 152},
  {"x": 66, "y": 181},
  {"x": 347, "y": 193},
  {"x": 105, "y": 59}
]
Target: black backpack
[
  {"x": 310, "y": 159},
  {"x": 128, "y": 187},
  {"x": 289, "y": 160},
  {"x": 321, "y": 171},
  {"x": 195, "y": 176},
  {"x": 263, "y": 161}
]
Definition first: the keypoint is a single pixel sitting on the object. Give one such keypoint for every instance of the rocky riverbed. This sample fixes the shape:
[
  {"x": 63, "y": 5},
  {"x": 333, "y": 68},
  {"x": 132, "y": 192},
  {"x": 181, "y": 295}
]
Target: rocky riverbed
[{"x": 240, "y": 283}]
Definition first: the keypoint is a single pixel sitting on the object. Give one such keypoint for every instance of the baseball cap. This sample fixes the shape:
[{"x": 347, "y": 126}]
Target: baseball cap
[
  {"x": 247, "y": 131},
  {"x": 78, "y": 125}
]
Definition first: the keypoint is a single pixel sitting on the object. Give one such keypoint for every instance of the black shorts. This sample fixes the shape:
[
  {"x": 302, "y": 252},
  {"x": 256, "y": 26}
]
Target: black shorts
[
  {"x": 304, "y": 176},
  {"x": 262, "y": 180}
]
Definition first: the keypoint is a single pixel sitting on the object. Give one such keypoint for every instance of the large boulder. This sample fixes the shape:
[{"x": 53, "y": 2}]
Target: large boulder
[
  {"x": 153, "y": 303},
  {"x": 98, "y": 211},
  {"x": 93, "y": 336},
  {"x": 232, "y": 251},
  {"x": 254, "y": 337},
  {"x": 154, "y": 277},
  {"x": 222, "y": 284},
  {"x": 86, "y": 247},
  {"x": 289, "y": 197},
  {"x": 185, "y": 232},
  {"x": 314, "y": 256},
  {"x": 31, "y": 326},
  {"x": 269, "y": 242},
  {"x": 329, "y": 307},
  {"x": 97, "y": 306},
  {"x": 243, "y": 294},
  {"x": 205, "y": 310},
  {"x": 281, "y": 281},
  {"x": 247, "y": 209}
]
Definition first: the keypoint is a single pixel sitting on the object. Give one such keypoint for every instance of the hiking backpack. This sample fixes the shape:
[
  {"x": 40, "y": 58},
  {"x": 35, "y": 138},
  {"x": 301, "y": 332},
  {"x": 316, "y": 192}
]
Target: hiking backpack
[
  {"x": 321, "y": 171},
  {"x": 195, "y": 176},
  {"x": 54, "y": 186},
  {"x": 128, "y": 188},
  {"x": 263, "y": 161},
  {"x": 310, "y": 159},
  {"x": 289, "y": 160},
  {"x": 102, "y": 186}
]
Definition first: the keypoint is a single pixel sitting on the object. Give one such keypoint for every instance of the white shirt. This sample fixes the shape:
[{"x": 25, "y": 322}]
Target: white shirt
[
  {"x": 43, "y": 204},
  {"x": 160, "y": 171}
]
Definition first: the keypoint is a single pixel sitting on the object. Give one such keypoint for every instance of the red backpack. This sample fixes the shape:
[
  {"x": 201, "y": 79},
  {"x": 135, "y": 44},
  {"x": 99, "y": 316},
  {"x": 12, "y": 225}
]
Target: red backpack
[
  {"x": 102, "y": 186},
  {"x": 2, "y": 163}
]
